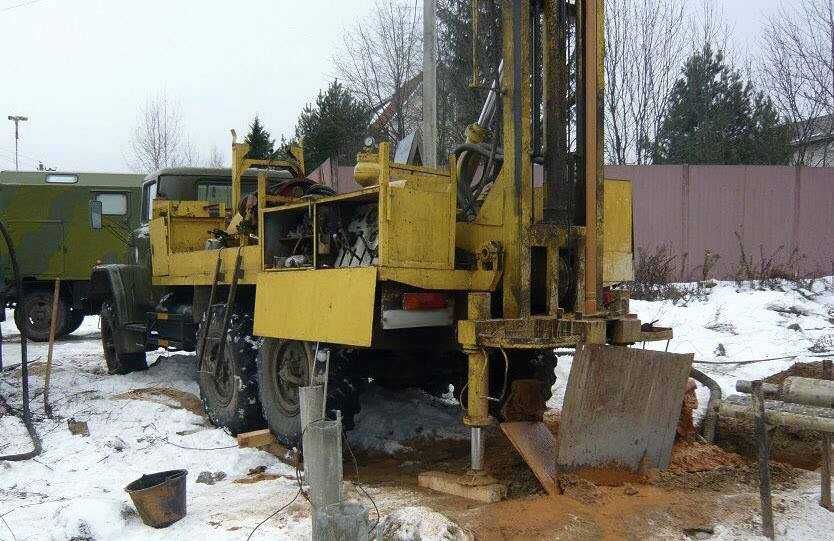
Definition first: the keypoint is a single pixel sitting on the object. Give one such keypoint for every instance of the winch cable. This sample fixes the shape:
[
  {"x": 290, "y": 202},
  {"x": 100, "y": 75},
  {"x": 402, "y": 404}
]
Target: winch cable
[{"x": 26, "y": 415}]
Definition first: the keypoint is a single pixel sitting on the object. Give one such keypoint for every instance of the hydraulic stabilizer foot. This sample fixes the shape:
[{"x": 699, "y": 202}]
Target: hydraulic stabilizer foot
[{"x": 475, "y": 484}]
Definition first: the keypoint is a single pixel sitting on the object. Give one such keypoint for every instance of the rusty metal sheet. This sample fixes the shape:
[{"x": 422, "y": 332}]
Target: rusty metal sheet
[
  {"x": 537, "y": 446},
  {"x": 621, "y": 408}
]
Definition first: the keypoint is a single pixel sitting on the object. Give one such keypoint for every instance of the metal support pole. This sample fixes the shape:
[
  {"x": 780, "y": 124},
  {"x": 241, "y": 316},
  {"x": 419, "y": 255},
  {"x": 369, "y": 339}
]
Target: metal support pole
[
  {"x": 764, "y": 456},
  {"x": 477, "y": 403},
  {"x": 476, "y": 448},
  {"x": 17, "y": 119},
  {"x": 429, "y": 154},
  {"x": 825, "y": 470}
]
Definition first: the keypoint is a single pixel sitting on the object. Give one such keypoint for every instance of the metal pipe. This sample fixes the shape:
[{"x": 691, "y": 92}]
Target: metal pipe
[
  {"x": 786, "y": 416},
  {"x": 476, "y": 448},
  {"x": 488, "y": 110},
  {"x": 797, "y": 390},
  {"x": 715, "y": 395}
]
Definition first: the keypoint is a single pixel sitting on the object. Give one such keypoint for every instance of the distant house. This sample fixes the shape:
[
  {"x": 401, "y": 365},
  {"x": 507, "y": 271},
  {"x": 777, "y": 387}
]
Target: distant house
[{"x": 813, "y": 142}]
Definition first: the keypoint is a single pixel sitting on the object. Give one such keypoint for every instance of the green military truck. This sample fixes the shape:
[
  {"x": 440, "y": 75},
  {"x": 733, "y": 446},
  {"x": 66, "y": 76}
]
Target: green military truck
[{"x": 49, "y": 215}]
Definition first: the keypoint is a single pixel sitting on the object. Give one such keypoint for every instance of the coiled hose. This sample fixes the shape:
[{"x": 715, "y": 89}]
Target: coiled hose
[{"x": 24, "y": 362}]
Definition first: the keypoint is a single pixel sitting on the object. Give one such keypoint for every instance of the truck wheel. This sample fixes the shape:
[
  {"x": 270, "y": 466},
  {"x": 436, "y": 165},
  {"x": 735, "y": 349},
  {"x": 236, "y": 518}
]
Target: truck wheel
[
  {"x": 33, "y": 315},
  {"x": 228, "y": 381},
  {"x": 76, "y": 318},
  {"x": 118, "y": 363},
  {"x": 283, "y": 367}
]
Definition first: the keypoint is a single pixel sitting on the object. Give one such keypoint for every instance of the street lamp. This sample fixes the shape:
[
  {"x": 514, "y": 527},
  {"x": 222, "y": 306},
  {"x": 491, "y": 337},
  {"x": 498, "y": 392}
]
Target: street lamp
[{"x": 17, "y": 119}]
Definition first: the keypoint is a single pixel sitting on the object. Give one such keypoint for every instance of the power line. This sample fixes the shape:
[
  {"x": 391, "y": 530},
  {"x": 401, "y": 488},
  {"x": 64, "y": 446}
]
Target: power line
[{"x": 20, "y": 5}]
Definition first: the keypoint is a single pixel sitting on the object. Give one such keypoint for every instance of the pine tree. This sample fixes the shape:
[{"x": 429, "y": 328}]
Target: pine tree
[
  {"x": 333, "y": 127},
  {"x": 258, "y": 139},
  {"x": 714, "y": 117}
]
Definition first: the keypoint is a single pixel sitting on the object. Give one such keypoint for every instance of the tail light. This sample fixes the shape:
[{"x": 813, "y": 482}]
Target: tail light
[{"x": 425, "y": 301}]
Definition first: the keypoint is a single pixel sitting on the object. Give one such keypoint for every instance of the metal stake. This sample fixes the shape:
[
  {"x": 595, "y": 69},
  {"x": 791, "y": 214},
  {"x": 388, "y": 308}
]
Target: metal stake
[
  {"x": 53, "y": 322},
  {"x": 764, "y": 452},
  {"x": 825, "y": 470}
]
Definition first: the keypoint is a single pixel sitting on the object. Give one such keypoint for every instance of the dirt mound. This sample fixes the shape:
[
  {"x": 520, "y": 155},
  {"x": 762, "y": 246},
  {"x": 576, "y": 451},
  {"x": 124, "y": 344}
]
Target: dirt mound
[
  {"x": 803, "y": 370},
  {"x": 698, "y": 457},
  {"x": 164, "y": 395}
]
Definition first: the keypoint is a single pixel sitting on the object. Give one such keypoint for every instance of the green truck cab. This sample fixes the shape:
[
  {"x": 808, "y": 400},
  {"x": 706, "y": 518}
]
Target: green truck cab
[
  {"x": 123, "y": 292},
  {"x": 49, "y": 216}
]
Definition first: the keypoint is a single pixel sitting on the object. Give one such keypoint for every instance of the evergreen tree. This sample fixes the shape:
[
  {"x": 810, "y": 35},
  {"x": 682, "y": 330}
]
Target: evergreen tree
[
  {"x": 333, "y": 127},
  {"x": 714, "y": 117},
  {"x": 258, "y": 139}
]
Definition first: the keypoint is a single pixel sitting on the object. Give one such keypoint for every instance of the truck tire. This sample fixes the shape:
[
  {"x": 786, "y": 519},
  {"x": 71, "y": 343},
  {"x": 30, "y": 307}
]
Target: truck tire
[
  {"x": 283, "y": 367},
  {"x": 33, "y": 315},
  {"x": 118, "y": 363},
  {"x": 229, "y": 383},
  {"x": 76, "y": 318}
]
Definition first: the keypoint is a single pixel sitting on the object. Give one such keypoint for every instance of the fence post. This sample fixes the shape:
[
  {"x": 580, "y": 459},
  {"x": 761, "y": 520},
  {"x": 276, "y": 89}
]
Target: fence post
[{"x": 764, "y": 459}]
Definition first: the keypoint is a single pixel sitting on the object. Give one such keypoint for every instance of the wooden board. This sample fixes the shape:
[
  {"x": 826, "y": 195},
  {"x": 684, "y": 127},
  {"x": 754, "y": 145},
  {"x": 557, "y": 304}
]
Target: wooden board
[
  {"x": 537, "y": 446},
  {"x": 265, "y": 441},
  {"x": 621, "y": 408}
]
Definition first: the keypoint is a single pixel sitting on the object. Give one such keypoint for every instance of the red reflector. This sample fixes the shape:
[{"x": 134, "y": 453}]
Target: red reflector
[
  {"x": 424, "y": 301},
  {"x": 608, "y": 297}
]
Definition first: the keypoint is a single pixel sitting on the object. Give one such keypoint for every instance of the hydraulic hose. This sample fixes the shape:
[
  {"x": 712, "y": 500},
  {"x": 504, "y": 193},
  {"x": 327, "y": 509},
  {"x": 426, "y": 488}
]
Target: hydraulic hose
[{"x": 24, "y": 363}]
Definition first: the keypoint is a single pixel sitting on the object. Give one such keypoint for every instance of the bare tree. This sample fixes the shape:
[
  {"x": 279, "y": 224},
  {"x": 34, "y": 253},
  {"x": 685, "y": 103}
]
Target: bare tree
[
  {"x": 645, "y": 47},
  {"x": 157, "y": 140},
  {"x": 380, "y": 63},
  {"x": 216, "y": 158},
  {"x": 797, "y": 68}
]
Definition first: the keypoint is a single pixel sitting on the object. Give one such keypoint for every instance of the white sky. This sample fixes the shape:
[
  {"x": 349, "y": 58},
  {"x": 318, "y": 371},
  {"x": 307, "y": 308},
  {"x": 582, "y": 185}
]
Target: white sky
[{"x": 81, "y": 69}]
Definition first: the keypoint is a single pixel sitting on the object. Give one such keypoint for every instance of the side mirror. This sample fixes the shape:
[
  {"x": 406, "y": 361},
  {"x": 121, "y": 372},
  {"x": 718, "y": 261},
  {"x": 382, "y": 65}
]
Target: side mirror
[{"x": 95, "y": 214}]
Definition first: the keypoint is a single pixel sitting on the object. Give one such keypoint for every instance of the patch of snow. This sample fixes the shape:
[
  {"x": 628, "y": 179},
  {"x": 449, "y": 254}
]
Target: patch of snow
[{"x": 418, "y": 523}]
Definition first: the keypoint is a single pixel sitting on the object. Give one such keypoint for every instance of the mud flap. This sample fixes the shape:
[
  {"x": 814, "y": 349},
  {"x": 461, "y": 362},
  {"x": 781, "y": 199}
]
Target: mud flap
[{"x": 621, "y": 411}]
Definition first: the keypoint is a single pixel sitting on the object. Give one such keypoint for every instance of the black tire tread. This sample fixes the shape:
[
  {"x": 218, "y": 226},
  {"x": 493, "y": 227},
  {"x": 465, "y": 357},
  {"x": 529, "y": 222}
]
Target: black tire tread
[
  {"x": 243, "y": 413},
  {"x": 118, "y": 363}
]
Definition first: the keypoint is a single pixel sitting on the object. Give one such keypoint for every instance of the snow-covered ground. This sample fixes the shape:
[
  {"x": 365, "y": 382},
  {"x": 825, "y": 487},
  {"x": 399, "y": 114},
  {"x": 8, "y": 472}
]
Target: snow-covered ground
[{"x": 74, "y": 490}]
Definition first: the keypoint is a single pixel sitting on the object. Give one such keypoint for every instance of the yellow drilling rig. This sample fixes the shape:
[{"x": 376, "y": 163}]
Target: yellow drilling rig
[{"x": 471, "y": 273}]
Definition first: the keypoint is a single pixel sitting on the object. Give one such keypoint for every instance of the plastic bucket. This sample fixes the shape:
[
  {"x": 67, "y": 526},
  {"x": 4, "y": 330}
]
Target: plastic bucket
[{"x": 159, "y": 497}]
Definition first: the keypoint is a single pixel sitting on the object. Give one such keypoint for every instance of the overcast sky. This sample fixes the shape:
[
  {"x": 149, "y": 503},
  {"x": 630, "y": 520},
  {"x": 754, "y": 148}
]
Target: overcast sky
[{"x": 81, "y": 69}]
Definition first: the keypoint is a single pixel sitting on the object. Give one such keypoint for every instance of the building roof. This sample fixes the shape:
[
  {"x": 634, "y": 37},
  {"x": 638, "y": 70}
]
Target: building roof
[{"x": 815, "y": 130}]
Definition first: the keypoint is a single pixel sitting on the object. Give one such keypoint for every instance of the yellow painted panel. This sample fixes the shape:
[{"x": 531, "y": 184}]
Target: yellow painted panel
[
  {"x": 420, "y": 223},
  {"x": 190, "y": 234},
  {"x": 325, "y": 305},
  {"x": 158, "y": 231},
  {"x": 618, "y": 259},
  {"x": 197, "y": 268}
]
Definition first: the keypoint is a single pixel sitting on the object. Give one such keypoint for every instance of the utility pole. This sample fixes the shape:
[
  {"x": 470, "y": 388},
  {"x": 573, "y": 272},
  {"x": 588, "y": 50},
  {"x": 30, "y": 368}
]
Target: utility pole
[
  {"x": 429, "y": 149},
  {"x": 17, "y": 119}
]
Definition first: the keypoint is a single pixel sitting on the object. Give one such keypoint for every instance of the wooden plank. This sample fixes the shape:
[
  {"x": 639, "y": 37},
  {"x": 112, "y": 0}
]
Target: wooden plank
[
  {"x": 621, "y": 408},
  {"x": 256, "y": 438},
  {"x": 537, "y": 446},
  {"x": 450, "y": 483}
]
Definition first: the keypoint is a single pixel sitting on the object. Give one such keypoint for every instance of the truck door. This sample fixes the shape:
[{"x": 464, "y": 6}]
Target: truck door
[{"x": 115, "y": 211}]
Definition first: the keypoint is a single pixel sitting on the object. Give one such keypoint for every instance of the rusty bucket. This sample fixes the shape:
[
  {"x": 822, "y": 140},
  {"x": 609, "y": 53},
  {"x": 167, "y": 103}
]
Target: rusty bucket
[{"x": 159, "y": 497}]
